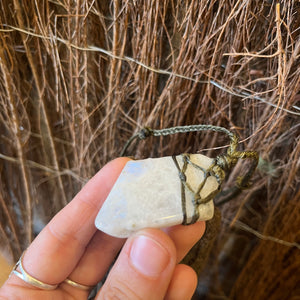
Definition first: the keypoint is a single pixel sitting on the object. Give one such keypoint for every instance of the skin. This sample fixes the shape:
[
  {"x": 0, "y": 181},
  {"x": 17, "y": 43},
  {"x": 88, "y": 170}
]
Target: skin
[{"x": 70, "y": 246}]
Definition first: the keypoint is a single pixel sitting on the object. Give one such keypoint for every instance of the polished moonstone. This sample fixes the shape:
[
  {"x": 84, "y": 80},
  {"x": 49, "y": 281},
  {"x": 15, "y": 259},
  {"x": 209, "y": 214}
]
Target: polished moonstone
[{"x": 148, "y": 193}]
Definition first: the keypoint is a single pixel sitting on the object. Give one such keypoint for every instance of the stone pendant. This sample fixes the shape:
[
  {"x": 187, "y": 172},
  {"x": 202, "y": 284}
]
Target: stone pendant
[{"x": 159, "y": 192}]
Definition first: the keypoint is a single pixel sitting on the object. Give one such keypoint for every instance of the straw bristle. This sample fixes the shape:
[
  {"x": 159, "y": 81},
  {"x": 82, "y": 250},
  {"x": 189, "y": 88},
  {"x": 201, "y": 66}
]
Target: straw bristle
[{"x": 78, "y": 78}]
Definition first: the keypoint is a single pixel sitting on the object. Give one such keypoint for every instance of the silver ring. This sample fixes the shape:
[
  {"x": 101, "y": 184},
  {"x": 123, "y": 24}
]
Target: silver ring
[
  {"x": 29, "y": 279},
  {"x": 78, "y": 285}
]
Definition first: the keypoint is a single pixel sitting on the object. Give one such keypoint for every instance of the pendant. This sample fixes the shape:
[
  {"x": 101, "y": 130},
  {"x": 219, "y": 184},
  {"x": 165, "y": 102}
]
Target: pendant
[
  {"x": 159, "y": 192},
  {"x": 172, "y": 190}
]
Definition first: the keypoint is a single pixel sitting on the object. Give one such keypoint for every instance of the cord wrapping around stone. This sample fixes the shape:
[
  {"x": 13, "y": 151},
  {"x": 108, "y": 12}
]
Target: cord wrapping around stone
[{"x": 223, "y": 163}]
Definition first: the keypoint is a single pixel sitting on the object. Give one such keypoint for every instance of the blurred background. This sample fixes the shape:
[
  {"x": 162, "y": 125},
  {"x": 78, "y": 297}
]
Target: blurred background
[{"x": 78, "y": 78}]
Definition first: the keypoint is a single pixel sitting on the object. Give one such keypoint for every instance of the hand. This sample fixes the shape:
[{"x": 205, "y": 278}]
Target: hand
[{"x": 71, "y": 247}]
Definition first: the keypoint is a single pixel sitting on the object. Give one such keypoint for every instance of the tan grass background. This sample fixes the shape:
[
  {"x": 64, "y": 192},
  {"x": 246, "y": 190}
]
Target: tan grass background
[{"x": 78, "y": 78}]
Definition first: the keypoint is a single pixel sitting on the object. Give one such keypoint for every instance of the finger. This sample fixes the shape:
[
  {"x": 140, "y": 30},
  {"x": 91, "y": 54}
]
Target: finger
[
  {"x": 143, "y": 269},
  {"x": 87, "y": 271},
  {"x": 63, "y": 241},
  {"x": 183, "y": 283},
  {"x": 185, "y": 237},
  {"x": 97, "y": 259}
]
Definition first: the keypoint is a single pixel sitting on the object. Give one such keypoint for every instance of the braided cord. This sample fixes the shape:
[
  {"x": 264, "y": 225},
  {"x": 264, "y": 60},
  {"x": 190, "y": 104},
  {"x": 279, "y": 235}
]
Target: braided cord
[
  {"x": 190, "y": 128},
  {"x": 146, "y": 132}
]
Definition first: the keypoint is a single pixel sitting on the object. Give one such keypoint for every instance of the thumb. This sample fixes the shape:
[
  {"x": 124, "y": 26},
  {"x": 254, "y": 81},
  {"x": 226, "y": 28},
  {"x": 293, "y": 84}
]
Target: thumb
[{"x": 143, "y": 269}]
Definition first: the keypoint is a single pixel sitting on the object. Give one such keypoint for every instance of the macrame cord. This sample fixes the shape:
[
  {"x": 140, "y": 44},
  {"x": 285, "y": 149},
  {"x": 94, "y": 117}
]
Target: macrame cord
[{"x": 221, "y": 164}]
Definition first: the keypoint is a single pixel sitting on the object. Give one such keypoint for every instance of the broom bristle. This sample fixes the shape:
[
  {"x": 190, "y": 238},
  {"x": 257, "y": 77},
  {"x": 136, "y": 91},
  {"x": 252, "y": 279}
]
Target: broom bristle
[{"x": 78, "y": 78}]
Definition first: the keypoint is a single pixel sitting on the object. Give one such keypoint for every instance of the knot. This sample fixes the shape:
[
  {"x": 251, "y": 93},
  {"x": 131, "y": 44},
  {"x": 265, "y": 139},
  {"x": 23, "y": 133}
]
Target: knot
[
  {"x": 144, "y": 133},
  {"x": 226, "y": 162}
]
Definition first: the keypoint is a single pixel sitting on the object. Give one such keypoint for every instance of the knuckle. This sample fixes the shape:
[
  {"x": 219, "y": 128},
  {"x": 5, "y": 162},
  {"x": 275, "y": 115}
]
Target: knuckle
[{"x": 118, "y": 290}]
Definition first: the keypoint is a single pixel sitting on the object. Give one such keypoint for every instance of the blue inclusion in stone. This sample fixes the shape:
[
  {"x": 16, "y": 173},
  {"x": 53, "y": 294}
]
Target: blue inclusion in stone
[
  {"x": 134, "y": 168},
  {"x": 121, "y": 213}
]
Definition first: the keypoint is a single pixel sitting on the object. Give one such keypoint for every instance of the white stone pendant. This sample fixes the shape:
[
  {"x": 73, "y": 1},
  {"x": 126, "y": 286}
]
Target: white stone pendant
[{"x": 159, "y": 192}]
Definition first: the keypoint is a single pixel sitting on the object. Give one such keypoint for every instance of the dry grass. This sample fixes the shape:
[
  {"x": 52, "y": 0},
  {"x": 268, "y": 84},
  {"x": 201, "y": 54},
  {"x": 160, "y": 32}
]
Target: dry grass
[{"x": 78, "y": 78}]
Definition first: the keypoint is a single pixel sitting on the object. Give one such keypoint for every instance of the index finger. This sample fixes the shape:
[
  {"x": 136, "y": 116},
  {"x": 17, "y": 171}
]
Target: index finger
[{"x": 57, "y": 249}]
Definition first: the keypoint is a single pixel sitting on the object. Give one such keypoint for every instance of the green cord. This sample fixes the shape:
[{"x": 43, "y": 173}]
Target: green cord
[
  {"x": 146, "y": 132},
  {"x": 223, "y": 163}
]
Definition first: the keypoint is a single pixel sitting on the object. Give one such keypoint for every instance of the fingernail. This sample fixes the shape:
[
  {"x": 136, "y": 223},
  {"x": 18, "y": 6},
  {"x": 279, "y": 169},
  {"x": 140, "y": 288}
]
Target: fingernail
[{"x": 148, "y": 256}]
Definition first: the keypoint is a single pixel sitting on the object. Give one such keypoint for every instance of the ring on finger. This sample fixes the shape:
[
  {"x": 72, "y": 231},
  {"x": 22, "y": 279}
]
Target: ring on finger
[
  {"x": 78, "y": 285},
  {"x": 29, "y": 279}
]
